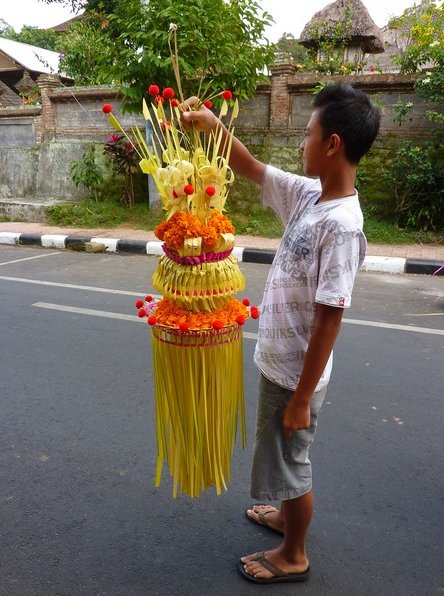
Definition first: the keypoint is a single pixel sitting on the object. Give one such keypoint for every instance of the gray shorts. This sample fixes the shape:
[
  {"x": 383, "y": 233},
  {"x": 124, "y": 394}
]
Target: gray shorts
[{"x": 281, "y": 468}]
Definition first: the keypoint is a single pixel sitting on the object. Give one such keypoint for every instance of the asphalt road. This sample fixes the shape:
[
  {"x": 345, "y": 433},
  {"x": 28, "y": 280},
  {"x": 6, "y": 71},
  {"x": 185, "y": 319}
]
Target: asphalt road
[{"x": 79, "y": 514}]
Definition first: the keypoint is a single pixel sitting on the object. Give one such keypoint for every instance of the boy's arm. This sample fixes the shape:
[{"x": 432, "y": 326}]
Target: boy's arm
[
  {"x": 326, "y": 329},
  {"x": 241, "y": 160}
]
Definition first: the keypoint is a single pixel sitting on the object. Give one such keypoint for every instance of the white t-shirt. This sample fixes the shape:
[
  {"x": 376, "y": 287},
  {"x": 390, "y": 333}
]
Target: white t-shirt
[{"x": 321, "y": 251}]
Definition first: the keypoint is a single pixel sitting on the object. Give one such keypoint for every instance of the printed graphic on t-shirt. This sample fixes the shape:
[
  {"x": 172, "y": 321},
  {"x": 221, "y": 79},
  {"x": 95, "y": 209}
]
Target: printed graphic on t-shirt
[{"x": 320, "y": 253}]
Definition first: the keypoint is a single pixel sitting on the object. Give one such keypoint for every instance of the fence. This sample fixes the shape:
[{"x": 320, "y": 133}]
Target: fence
[{"x": 37, "y": 144}]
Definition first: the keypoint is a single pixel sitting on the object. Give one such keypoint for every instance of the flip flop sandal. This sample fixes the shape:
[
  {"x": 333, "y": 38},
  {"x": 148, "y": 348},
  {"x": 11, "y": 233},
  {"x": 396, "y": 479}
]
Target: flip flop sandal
[
  {"x": 261, "y": 521},
  {"x": 279, "y": 576}
]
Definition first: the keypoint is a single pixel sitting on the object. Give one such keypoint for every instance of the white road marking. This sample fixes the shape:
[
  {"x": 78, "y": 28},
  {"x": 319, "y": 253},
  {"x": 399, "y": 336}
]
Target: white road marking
[
  {"x": 247, "y": 335},
  {"x": 394, "y": 326},
  {"x": 74, "y": 287},
  {"x": 107, "y": 314},
  {"x": 49, "y": 254},
  {"x": 89, "y": 311}
]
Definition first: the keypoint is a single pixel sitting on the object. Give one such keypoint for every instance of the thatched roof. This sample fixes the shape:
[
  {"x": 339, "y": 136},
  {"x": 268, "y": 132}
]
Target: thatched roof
[{"x": 363, "y": 30}]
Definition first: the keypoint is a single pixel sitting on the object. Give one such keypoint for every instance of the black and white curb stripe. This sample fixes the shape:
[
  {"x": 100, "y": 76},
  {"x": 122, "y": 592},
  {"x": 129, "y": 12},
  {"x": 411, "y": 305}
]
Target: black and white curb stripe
[{"x": 243, "y": 254}]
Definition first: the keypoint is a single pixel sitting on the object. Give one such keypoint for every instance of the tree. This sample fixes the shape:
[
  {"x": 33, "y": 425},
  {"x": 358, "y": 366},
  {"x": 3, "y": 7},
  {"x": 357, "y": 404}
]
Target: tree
[
  {"x": 417, "y": 171},
  {"x": 86, "y": 53},
  {"x": 425, "y": 51},
  {"x": 42, "y": 38},
  {"x": 289, "y": 48},
  {"x": 5, "y": 29},
  {"x": 220, "y": 45}
]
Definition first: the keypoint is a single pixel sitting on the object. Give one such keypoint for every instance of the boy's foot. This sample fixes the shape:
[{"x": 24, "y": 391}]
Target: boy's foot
[
  {"x": 270, "y": 567},
  {"x": 266, "y": 516}
]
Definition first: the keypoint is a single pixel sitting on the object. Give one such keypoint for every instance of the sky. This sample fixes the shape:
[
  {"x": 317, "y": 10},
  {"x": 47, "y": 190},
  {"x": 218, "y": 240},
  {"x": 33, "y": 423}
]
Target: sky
[{"x": 290, "y": 15}]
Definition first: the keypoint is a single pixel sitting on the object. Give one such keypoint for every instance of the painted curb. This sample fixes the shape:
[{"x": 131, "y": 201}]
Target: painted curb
[
  {"x": 394, "y": 265},
  {"x": 384, "y": 264}
]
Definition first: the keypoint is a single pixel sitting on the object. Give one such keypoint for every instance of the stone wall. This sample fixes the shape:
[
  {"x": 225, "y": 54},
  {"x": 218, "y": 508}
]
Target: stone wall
[{"x": 38, "y": 144}]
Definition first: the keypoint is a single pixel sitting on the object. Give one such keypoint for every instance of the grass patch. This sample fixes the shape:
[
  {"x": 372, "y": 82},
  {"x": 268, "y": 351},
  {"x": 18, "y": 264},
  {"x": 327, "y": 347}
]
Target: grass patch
[
  {"x": 254, "y": 220},
  {"x": 250, "y": 219},
  {"x": 107, "y": 214},
  {"x": 384, "y": 232}
]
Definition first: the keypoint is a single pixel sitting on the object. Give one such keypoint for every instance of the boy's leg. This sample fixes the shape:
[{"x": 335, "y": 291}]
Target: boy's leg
[{"x": 290, "y": 556}]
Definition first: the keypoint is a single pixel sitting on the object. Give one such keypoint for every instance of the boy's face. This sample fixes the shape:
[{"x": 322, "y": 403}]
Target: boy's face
[{"x": 314, "y": 146}]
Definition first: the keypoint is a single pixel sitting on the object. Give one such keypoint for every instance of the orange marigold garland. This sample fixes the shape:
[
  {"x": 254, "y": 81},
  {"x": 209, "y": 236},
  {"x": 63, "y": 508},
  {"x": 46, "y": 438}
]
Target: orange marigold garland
[{"x": 197, "y": 325}]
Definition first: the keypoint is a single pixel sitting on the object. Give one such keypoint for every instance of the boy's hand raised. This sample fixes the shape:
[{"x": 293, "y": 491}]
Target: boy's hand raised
[{"x": 203, "y": 118}]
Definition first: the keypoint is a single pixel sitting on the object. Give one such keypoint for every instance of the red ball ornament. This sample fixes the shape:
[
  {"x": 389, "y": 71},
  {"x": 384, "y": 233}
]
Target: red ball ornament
[
  {"x": 217, "y": 325},
  {"x": 148, "y": 298},
  {"x": 184, "y": 326},
  {"x": 240, "y": 320},
  {"x": 141, "y": 313},
  {"x": 168, "y": 93},
  {"x": 174, "y": 103},
  {"x": 153, "y": 90},
  {"x": 227, "y": 95},
  {"x": 152, "y": 320},
  {"x": 211, "y": 191},
  {"x": 107, "y": 108},
  {"x": 246, "y": 302},
  {"x": 188, "y": 189},
  {"x": 139, "y": 303},
  {"x": 254, "y": 312},
  {"x": 158, "y": 99},
  {"x": 208, "y": 104}
]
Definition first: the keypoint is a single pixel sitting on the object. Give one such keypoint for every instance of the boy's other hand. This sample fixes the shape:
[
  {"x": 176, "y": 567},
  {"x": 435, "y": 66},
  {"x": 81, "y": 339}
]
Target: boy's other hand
[
  {"x": 296, "y": 417},
  {"x": 203, "y": 118}
]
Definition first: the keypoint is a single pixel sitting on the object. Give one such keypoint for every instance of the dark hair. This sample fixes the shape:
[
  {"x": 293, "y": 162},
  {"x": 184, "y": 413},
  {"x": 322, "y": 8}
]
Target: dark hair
[{"x": 349, "y": 113}]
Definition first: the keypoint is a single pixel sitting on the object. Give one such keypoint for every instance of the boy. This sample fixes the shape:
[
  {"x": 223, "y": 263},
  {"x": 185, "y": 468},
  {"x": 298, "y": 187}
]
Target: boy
[{"x": 309, "y": 285}]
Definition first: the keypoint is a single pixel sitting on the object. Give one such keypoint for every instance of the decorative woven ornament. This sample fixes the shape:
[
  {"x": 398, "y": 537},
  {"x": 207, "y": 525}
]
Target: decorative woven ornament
[{"x": 197, "y": 327}]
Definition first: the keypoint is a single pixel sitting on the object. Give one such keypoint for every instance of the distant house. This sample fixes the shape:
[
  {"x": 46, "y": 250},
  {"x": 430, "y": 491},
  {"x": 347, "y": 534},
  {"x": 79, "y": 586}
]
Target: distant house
[
  {"x": 63, "y": 27},
  {"x": 365, "y": 36},
  {"x": 20, "y": 65}
]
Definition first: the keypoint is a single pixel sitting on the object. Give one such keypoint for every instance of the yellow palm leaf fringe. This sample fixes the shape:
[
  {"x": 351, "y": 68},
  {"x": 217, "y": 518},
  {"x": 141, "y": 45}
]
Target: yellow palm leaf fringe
[{"x": 198, "y": 381}]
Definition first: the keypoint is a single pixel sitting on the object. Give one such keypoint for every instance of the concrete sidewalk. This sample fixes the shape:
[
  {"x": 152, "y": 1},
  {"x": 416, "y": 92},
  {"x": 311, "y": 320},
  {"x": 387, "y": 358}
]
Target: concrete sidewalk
[{"x": 392, "y": 258}]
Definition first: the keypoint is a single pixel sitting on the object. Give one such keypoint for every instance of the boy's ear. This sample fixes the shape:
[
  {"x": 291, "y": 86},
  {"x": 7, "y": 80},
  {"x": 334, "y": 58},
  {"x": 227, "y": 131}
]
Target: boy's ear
[{"x": 334, "y": 144}]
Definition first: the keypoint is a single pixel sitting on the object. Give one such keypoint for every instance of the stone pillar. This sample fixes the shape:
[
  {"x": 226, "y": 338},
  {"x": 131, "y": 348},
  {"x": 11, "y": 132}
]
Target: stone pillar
[
  {"x": 280, "y": 101},
  {"x": 46, "y": 125}
]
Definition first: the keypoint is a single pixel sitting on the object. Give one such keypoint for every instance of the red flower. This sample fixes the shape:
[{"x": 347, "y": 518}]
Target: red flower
[
  {"x": 208, "y": 104},
  {"x": 226, "y": 94},
  {"x": 240, "y": 320},
  {"x": 107, "y": 108},
  {"x": 148, "y": 298},
  {"x": 246, "y": 302},
  {"x": 174, "y": 103},
  {"x": 165, "y": 125},
  {"x": 139, "y": 303},
  {"x": 254, "y": 312},
  {"x": 158, "y": 99},
  {"x": 184, "y": 326},
  {"x": 141, "y": 313},
  {"x": 153, "y": 90},
  {"x": 175, "y": 195},
  {"x": 188, "y": 189},
  {"x": 217, "y": 325},
  {"x": 168, "y": 93},
  {"x": 211, "y": 191},
  {"x": 152, "y": 320}
]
